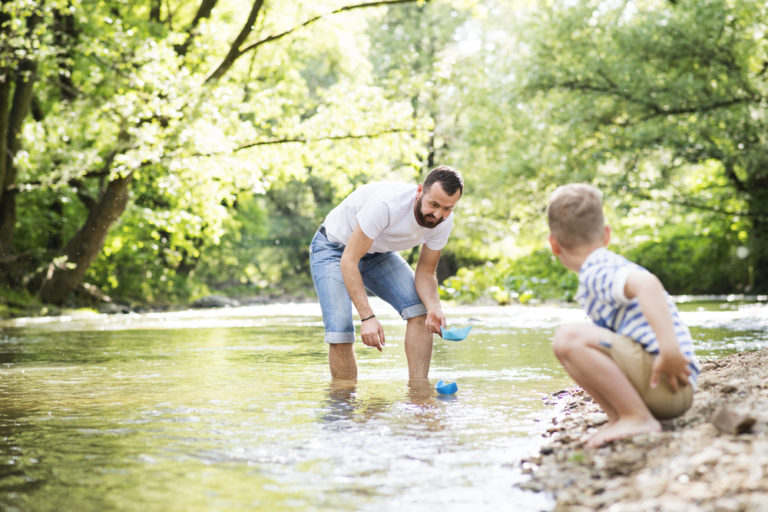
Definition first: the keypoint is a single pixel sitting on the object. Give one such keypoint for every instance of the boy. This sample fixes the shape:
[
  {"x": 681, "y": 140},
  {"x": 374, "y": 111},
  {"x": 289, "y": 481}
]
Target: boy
[{"x": 636, "y": 360}]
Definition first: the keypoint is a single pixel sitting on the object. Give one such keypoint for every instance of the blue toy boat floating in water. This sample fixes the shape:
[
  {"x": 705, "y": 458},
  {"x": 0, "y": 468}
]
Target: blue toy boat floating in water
[
  {"x": 455, "y": 334},
  {"x": 446, "y": 389}
]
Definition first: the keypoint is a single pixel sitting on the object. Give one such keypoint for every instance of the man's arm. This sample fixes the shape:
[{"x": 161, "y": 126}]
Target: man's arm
[
  {"x": 370, "y": 331},
  {"x": 650, "y": 294},
  {"x": 426, "y": 287}
]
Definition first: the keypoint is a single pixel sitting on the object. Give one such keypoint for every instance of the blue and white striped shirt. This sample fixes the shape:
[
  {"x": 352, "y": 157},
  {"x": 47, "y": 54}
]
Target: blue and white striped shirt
[{"x": 602, "y": 277}]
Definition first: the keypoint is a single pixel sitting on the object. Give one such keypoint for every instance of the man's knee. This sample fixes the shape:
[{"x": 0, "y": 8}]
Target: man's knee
[
  {"x": 341, "y": 349},
  {"x": 416, "y": 329},
  {"x": 416, "y": 319}
]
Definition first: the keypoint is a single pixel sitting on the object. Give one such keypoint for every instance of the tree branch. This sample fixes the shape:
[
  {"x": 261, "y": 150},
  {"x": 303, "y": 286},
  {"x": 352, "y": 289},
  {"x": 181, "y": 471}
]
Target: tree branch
[
  {"x": 321, "y": 16},
  {"x": 203, "y": 11},
  {"x": 236, "y": 52},
  {"x": 303, "y": 140},
  {"x": 656, "y": 110},
  {"x": 695, "y": 109},
  {"x": 693, "y": 204}
]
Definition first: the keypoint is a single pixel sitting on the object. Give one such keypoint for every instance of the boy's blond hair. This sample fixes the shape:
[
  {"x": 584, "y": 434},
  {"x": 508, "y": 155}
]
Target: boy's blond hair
[{"x": 575, "y": 215}]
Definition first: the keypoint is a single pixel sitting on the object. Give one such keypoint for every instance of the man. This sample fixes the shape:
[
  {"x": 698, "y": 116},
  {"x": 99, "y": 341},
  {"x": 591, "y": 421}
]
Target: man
[{"x": 356, "y": 249}]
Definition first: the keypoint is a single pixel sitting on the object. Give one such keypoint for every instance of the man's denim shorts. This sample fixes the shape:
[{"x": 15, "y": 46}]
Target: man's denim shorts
[{"x": 385, "y": 274}]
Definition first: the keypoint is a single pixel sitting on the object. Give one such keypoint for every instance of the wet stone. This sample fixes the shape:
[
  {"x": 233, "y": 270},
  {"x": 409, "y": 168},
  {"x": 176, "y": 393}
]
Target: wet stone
[{"x": 732, "y": 421}]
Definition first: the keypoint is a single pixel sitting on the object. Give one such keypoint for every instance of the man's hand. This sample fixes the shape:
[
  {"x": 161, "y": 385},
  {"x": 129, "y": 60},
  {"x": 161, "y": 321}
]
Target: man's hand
[
  {"x": 435, "y": 320},
  {"x": 372, "y": 333},
  {"x": 675, "y": 366}
]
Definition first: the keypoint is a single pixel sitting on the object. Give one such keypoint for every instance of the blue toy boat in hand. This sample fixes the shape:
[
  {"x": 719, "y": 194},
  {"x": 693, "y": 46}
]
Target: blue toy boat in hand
[{"x": 455, "y": 334}]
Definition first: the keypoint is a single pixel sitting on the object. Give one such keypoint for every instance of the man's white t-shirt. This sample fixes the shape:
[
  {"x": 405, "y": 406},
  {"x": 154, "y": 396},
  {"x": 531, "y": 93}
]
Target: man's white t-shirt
[{"x": 385, "y": 213}]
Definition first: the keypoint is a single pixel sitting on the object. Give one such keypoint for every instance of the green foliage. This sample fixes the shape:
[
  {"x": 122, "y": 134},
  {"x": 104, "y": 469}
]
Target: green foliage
[
  {"x": 118, "y": 99},
  {"x": 660, "y": 104},
  {"x": 19, "y": 303},
  {"x": 535, "y": 277},
  {"x": 660, "y": 89},
  {"x": 697, "y": 255}
]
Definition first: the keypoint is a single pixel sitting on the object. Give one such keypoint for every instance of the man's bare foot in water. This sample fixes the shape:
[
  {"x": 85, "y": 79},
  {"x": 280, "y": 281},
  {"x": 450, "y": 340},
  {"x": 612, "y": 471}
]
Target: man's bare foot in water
[{"x": 621, "y": 429}]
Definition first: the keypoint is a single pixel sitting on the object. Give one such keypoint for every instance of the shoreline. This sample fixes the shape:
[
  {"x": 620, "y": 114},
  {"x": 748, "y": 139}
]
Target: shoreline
[
  {"x": 713, "y": 458},
  {"x": 16, "y": 307}
]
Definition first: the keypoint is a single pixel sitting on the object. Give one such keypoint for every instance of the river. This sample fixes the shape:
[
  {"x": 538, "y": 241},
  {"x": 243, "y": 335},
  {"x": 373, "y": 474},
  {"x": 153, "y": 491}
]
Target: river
[{"x": 233, "y": 409}]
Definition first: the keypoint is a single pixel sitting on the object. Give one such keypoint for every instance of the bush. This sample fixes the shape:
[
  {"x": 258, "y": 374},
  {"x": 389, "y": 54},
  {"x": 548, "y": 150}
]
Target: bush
[{"x": 537, "y": 276}]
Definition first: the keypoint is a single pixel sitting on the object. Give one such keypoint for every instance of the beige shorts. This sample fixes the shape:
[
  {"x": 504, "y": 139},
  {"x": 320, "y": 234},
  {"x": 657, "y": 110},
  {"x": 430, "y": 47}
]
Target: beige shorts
[{"x": 636, "y": 364}]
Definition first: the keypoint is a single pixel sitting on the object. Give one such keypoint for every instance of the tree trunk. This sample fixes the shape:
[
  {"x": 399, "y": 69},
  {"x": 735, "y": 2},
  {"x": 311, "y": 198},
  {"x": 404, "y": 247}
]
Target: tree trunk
[
  {"x": 758, "y": 209},
  {"x": 65, "y": 38},
  {"x": 155, "y": 6},
  {"x": 6, "y": 159},
  {"x": 19, "y": 108},
  {"x": 60, "y": 280}
]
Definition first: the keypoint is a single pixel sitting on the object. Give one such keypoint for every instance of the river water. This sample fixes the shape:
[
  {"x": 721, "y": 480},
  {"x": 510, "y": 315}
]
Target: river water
[{"x": 234, "y": 409}]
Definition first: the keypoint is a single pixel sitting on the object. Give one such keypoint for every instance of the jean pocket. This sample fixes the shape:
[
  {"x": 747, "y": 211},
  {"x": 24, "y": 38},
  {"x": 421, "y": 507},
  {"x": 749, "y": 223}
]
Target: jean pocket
[{"x": 318, "y": 246}]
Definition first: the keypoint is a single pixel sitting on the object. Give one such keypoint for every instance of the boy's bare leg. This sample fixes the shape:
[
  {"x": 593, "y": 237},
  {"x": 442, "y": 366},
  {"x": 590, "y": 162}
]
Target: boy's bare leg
[
  {"x": 341, "y": 359},
  {"x": 567, "y": 339},
  {"x": 577, "y": 348},
  {"x": 418, "y": 347}
]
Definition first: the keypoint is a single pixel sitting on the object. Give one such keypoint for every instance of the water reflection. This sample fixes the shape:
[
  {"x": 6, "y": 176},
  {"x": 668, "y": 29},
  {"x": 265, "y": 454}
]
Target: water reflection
[
  {"x": 342, "y": 401},
  {"x": 421, "y": 393},
  {"x": 345, "y": 405}
]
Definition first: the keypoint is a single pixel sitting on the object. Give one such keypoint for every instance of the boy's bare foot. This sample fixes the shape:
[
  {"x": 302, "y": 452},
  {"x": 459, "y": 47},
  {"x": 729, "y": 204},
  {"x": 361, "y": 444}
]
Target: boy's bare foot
[
  {"x": 585, "y": 438},
  {"x": 621, "y": 429}
]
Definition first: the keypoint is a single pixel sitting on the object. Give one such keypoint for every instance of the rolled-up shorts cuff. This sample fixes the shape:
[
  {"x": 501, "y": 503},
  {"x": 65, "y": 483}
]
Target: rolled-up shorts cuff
[
  {"x": 413, "y": 311},
  {"x": 339, "y": 337}
]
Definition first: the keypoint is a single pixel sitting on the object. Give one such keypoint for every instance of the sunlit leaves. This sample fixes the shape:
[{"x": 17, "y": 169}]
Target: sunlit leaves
[{"x": 302, "y": 106}]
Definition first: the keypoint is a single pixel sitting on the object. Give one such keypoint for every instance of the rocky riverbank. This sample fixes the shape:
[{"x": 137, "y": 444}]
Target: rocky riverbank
[{"x": 713, "y": 458}]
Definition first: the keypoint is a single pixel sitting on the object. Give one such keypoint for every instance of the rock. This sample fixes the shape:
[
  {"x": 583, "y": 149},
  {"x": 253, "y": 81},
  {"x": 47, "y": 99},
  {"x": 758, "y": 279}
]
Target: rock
[
  {"x": 111, "y": 308},
  {"x": 215, "y": 301},
  {"x": 732, "y": 421}
]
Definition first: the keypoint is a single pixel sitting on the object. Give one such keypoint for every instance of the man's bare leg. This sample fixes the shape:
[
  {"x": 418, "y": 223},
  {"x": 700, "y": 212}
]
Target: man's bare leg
[
  {"x": 577, "y": 347},
  {"x": 341, "y": 359},
  {"x": 418, "y": 347}
]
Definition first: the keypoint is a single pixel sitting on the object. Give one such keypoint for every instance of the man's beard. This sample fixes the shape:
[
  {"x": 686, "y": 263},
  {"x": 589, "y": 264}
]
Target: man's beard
[{"x": 427, "y": 221}]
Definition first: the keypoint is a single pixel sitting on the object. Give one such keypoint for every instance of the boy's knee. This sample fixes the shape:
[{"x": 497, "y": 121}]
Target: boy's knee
[{"x": 566, "y": 338}]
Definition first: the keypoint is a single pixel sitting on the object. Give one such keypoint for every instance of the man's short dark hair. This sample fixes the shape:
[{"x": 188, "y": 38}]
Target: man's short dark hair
[{"x": 450, "y": 179}]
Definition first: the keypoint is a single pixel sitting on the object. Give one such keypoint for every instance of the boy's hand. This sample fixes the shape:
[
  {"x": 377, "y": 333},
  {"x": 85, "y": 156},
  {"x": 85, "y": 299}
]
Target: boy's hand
[{"x": 675, "y": 366}]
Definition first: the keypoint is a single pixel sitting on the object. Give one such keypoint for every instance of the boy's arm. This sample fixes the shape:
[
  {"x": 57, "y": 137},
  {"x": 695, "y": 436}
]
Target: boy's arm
[{"x": 651, "y": 297}]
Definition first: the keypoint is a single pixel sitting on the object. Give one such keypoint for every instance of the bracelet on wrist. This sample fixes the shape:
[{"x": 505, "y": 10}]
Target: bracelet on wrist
[{"x": 367, "y": 318}]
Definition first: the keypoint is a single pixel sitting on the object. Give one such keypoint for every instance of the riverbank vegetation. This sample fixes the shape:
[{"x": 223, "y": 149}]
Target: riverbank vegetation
[{"x": 158, "y": 152}]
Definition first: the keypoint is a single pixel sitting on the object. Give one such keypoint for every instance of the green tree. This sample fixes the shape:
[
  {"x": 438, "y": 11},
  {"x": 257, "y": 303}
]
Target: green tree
[
  {"x": 158, "y": 117},
  {"x": 646, "y": 93}
]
